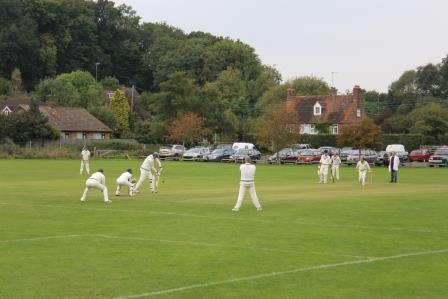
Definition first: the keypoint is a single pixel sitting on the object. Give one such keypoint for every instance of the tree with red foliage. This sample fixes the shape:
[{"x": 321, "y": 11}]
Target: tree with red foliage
[{"x": 187, "y": 128}]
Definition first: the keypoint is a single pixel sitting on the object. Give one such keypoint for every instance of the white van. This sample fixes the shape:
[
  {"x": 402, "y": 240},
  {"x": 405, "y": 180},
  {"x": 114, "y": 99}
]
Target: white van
[
  {"x": 242, "y": 145},
  {"x": 399, "y": 150}
]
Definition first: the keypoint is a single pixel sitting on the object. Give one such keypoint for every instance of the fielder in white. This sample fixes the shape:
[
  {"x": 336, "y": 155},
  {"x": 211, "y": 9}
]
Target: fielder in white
[
  {"x": 97, "y": 181},
  {"x": 325, "y": 162},
  {"x": 335, "y": 163},
  {"x": 247, "y": 182},
  {"x": 150, "y": 168},
  {"x": 363, "y": 167},
  {"x": 85, "y": 160},
  {"x": 125, "y": 179}
]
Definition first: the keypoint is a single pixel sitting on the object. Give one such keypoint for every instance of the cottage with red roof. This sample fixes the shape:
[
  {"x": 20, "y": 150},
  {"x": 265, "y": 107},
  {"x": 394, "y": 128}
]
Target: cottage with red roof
[{"x": 333, "y": 110}]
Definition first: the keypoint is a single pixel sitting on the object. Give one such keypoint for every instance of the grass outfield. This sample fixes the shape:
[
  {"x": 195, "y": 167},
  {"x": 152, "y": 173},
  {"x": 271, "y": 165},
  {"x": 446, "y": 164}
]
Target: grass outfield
[{"x": 311, "y": 241}]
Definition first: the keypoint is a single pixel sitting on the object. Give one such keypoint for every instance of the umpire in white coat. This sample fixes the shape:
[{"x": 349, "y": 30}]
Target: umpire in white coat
[
  {"x": 97, "y": 181},
  {"x": 394, "y": 162},
  {"x": 247, "y": 182}
]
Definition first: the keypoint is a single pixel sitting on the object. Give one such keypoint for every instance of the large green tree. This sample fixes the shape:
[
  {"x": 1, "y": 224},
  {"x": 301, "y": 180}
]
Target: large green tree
[{"x": 430, "y": 120}]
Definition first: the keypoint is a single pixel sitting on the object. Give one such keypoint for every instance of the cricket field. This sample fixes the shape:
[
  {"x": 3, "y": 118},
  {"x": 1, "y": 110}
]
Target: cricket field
[{"x": 311, "y": 241}]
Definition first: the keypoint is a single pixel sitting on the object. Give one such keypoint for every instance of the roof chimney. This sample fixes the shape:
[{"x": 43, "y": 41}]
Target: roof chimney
[
  {"x": 290, "y": 92},
  {"x": 333, "y": 91},
  {"x": 357, "y": 92}
]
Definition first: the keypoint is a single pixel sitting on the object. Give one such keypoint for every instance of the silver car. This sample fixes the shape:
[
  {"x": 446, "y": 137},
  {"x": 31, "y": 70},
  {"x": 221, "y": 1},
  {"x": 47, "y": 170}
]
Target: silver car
[
  {"x": 195, "y": 153},
  {"x": 369, "y": 155}
]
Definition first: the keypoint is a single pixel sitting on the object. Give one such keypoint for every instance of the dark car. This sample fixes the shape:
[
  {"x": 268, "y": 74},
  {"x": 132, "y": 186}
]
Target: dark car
[
  {"x": 219, "y": 154},
  {"x": 279, "y": 155},
  {"x": 292, "y": 156},
  {"x": 420, "y": 155},
  {"x": 239, "y": 155},
  {"x": 309, "y": 156},
  {"x": 440, "y": 157}
]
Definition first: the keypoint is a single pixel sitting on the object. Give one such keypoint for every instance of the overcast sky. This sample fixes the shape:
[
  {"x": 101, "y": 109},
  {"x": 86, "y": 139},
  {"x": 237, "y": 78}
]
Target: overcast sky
[{"x": 365, "y": 42}]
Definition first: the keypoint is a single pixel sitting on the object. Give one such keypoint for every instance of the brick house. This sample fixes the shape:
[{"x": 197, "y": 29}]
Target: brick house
[
  {"x": 333, "y": 110},
  {"x": 72, "y": 122}
]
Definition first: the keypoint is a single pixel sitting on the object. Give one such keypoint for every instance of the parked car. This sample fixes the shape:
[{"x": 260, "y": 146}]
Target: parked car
[
  {"x": 243, "y": 145},
  {"x": 369, "y": 155},
  {"x": 195, "y": 153},
  {"x": 309, "y": 156},
  {"x": 218, "y": 154},
  {"x": 238, "y": 155},
  {"x": 292, "y": 156},
  {"x": 279, "y": 155},
  {"x": 420, "y": 155},
  {"x": 303, "y": 146},
  {"x": 223, "y": 146},
  {"x": 399, "y": 150},
  {"x": 381, "y": 158},
  {"x": 171, "y": 151},
  {"x": 344, "y": 152},
  {"x": 330, "y": 150},
  {"x": 440, "y": 157}
]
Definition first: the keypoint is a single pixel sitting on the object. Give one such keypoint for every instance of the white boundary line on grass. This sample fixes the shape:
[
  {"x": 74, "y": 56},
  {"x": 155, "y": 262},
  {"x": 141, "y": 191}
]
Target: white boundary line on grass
[
  {"x": 270, "y": 219},
  {"x": 180, "y": 242},
  {"x": 272, "y": 274},
  {"x": 40, "y": 238}
]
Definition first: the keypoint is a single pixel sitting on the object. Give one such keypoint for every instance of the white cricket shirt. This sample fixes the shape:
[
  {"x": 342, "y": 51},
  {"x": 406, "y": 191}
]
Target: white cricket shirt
[
  {"x": 85, "y": 154},
  {"x": 247, "y": 172}
]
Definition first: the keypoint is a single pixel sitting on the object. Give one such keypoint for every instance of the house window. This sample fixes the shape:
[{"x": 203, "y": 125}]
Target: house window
[
  {"x": 317, "y": 109},
  {"x": 6, "y": 111},
  {"x": 334, "y": 129},
  {"x": 358, "y": 112},
  {"x": 103, "y": 135},
  {"x": 79, "y": 135},
  {"x": 97, "y": 136},
  {"x": 65, "y": 135}
]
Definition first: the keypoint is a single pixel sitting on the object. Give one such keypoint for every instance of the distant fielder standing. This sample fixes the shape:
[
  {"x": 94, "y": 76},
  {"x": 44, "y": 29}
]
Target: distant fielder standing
[
  {"x": 247, "y": 182},
  {"x": 325, "y": 162},
  {"x": 85, "y": 160},
  {"x": 335, "y": 163},
  {"x": 125, "y": 179},
  {"x": 97, "y": 181},
  {"x": 394, "y": 162},
  {"x": 149, "y": 169},
  {"x": 363, "y": 167}
]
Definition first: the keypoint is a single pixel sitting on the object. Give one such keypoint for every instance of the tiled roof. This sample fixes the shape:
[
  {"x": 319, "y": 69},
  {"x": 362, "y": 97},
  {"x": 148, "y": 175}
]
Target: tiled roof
[
  {"x": 73, "y": 119},
  {"x": 336, "y": 109}
]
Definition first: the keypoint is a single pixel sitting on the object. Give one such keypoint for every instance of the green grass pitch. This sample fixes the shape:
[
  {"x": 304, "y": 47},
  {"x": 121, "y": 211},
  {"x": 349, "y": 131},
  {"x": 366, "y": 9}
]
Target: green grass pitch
[{"x": 311, "y": 241}]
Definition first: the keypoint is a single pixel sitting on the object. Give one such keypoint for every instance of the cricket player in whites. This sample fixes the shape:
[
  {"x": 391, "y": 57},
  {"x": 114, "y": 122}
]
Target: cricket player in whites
[
  {"x": 325, "y": 162},
  {"x": 335, "y": 163},
  {"x": 85, "y": 160},
  {"x": 97, "y": 181},
  {"x": 149, "y": 169},
  {"x": 125, "y": 179},
  {"x": 247, "y": 182},
  {"x": 363, "y": 167}
]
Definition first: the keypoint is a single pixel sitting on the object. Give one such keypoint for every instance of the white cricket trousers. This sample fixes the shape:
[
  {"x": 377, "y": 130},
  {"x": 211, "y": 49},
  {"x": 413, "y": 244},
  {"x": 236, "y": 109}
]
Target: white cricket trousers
[
  {"x": 143, "y": 175},
  {"x": 323, "y": 174},
  {"x": 335, "y": 171},
  {"x": 362, "y": 177},
  {"x": 91, "y": 183},
  {"x": 125, "y": 183},
  {"x": 253, "y": 194},
  {"x": 85, "y": 163}
]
